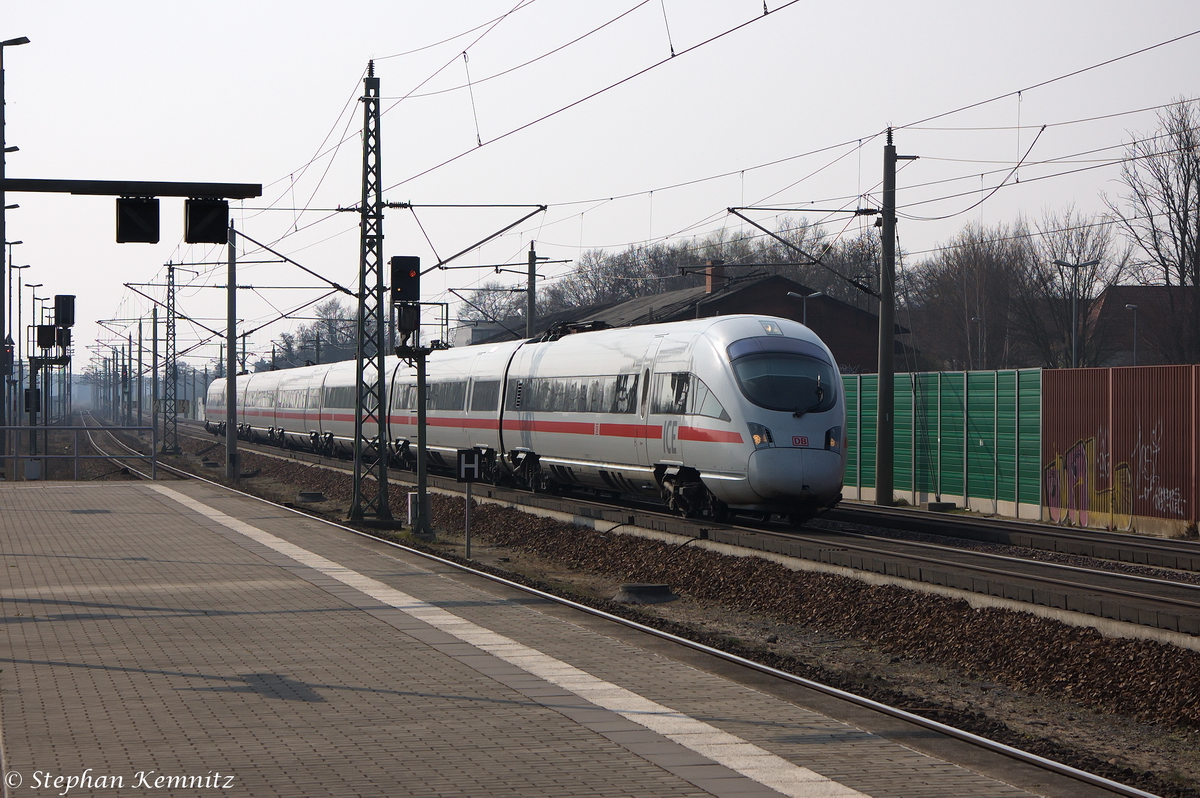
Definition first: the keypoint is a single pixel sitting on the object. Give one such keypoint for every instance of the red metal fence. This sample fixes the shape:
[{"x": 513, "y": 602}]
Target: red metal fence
[{"x": 1119, "y": 447}]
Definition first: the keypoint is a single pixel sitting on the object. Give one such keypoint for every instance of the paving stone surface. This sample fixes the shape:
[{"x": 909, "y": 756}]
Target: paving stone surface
[{"x": 141, "y": 636}]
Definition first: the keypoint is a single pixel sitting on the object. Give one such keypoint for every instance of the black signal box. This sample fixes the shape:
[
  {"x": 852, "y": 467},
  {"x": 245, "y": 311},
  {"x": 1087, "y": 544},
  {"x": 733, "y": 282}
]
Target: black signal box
[
  {"x": 137, "y": 220},
  {"x": 406, "y": 278},
  {"x": 206, "y": 221},
  {"x": 64, "y": 310},
  {"x": 47, "y": 336}
]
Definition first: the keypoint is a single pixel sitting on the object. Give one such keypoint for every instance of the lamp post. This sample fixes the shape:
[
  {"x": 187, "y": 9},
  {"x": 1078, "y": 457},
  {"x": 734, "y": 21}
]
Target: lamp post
[
  {"x": 21, "y": 330},
  {"x": 979, "y": 338},
  {"x": 4, "y": 150},
  {"x": 805, "y": 298},
  {"x": 14, "y": 379},
  {"x": 5, "y": 379},
  {"x": 1134, "y": 309},
  {"x": 1074, "y": 304},
  {"x": 34, "y": 405},
  {"x": 34, "y": 316}
]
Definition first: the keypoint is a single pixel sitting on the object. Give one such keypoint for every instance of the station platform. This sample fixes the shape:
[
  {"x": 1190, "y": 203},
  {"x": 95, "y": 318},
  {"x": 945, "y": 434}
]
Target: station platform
[{"x": 181, "y": 638}]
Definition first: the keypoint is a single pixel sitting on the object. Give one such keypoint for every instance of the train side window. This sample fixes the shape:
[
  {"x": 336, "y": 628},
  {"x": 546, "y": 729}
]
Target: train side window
[
  {"x": 625, "y": 396},
  {"x": 671, "y": 393},
  {"x": 704, "y": 402},
  {"x": 402, "y": 397},
  {"x": 600, "y": 394},
  {"x": 340, "y": 397},
  {"x": 680, "y": 384},
  {"x": 447, "y": 395},
  {"x": 485, "y": 396}
]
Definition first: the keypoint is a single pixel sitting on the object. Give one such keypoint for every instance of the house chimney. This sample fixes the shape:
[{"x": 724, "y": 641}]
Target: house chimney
[{"x": 714, "y": 276}]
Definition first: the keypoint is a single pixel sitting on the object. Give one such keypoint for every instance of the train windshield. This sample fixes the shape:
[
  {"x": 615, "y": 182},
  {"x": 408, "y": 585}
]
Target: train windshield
[{"x": 798, "y": 381}]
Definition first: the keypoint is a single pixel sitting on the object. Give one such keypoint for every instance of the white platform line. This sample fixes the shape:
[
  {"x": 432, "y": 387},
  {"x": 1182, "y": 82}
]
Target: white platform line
[{"x": 721, "y": 747}]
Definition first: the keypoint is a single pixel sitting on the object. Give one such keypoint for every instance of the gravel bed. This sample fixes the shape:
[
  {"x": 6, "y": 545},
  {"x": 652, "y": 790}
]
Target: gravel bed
[{"x": 1125, "y": 709}]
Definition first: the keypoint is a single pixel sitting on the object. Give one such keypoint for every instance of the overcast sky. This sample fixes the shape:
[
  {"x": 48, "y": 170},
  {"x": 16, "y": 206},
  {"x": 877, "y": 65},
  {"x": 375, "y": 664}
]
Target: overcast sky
[{"x": 625, "y": 143}]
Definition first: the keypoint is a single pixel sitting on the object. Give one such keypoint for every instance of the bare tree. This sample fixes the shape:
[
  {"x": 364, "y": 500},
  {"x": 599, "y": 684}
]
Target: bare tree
[
  {"x": 1049, "y": 299},
  {"x": 1159, "y": 211},
  {"x": 492, "y": 301},
  {"x": 959, "y": 301}
]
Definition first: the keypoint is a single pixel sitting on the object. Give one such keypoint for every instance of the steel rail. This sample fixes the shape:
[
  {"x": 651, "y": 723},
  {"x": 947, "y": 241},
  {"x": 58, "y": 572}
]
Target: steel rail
[
  {"x": 1011, "y": 558},
  {"x": 1084, "y": 535},
  {"x": 1048, "y": 580}
]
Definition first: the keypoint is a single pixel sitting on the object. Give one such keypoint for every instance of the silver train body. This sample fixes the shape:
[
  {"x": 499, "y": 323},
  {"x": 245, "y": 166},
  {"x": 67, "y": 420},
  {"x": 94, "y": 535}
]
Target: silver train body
[{"x": 741, "y": 413}]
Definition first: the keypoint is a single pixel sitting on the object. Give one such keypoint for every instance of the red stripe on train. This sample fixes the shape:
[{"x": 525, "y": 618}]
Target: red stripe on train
[{"x": 709, "y": 435}]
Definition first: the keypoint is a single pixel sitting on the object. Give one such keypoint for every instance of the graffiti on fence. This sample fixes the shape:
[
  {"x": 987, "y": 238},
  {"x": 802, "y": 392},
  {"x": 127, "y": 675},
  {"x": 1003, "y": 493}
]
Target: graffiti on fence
[
  {"x": 1167, "y": 502},
  {"x": 1082, "y": 487}
]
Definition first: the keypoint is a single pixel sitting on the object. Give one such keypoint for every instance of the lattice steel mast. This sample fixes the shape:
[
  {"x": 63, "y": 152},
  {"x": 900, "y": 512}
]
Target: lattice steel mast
[
  {"x": 370, "y": 499},
  {"x": 170, "y": 444}
]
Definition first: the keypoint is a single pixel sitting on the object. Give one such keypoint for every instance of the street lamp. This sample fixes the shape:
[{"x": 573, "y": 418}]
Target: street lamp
[
  {"x": 805, "y": 297},
  {"x": 40, "y": 316},
  {"x": 979, "y": 338},
  {"x": 20, "y": 329},
  {"x": 4, "y": 150},
  {"x": 1074, "y": 304},
  {"x": 1134, "y": 309},
  {"x": 8, "y": 357}
]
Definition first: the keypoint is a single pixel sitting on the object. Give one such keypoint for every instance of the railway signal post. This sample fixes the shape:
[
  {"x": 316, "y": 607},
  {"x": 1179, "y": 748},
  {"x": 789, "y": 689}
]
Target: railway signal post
[{"x": 406, "y": 309}]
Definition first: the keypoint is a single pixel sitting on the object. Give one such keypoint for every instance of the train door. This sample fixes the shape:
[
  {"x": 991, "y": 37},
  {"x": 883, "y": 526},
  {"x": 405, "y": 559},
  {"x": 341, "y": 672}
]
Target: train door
[
  {"x": 650, "y": 434},
  {"x": 311, "y": 420},
  {"x": 393, "y": 394},
  {"x": 668, "y": 387},
  {"x": 319, "y": 420}
]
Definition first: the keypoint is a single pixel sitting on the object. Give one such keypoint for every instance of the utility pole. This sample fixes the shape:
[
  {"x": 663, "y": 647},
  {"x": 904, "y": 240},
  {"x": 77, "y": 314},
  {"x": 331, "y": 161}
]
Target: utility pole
[
  {"x": 154, "y": 368},
  {"x": 885, "y": 419},
  {"x": 232, "y": 467},
  {"x": 370, "y": 498},
  {"x": 139, "y": 375},
  {"x": 531, "y": 294},
  {"x": 129, "y": 381},
  {"x": 170, "y": 444}
]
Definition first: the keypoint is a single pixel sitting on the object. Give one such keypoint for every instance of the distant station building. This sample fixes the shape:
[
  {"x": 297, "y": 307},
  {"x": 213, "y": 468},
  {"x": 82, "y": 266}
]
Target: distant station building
[{"x": 851, "y": 333}]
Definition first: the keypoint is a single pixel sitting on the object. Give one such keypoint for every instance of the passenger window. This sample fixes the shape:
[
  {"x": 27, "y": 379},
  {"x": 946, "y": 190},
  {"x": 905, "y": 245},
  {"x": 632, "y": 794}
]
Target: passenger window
[
  {"x": 485, "y": 396},
  {"x": 625, "y": 398}
]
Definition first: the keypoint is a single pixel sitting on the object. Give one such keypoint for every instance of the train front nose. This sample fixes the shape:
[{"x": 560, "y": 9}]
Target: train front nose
[{"x": 796, "y": 476}]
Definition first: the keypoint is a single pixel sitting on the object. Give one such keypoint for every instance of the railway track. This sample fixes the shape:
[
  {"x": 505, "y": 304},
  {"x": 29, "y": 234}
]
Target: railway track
[
  {"x": 1091, "y": 783},
  {"x": 1084, "y": 542},
  {"x": 1162, "y": 599}
]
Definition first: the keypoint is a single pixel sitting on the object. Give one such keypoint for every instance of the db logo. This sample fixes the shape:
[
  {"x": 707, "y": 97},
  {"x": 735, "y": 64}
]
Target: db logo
[{"x": 799, "y": 440}]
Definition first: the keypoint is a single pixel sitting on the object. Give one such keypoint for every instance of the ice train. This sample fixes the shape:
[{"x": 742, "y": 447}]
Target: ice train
[{"x": 743, "y": 413}]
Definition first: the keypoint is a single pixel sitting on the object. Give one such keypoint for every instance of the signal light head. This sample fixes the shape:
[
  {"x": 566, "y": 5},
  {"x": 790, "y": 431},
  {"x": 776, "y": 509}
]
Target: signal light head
[{"x": 406, "y": 278}]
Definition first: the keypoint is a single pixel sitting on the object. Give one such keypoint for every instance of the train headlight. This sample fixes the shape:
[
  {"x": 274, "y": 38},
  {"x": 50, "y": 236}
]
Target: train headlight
[
  {"x": 833, "y": 438},
  {"x": 761, "y": 436}
]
